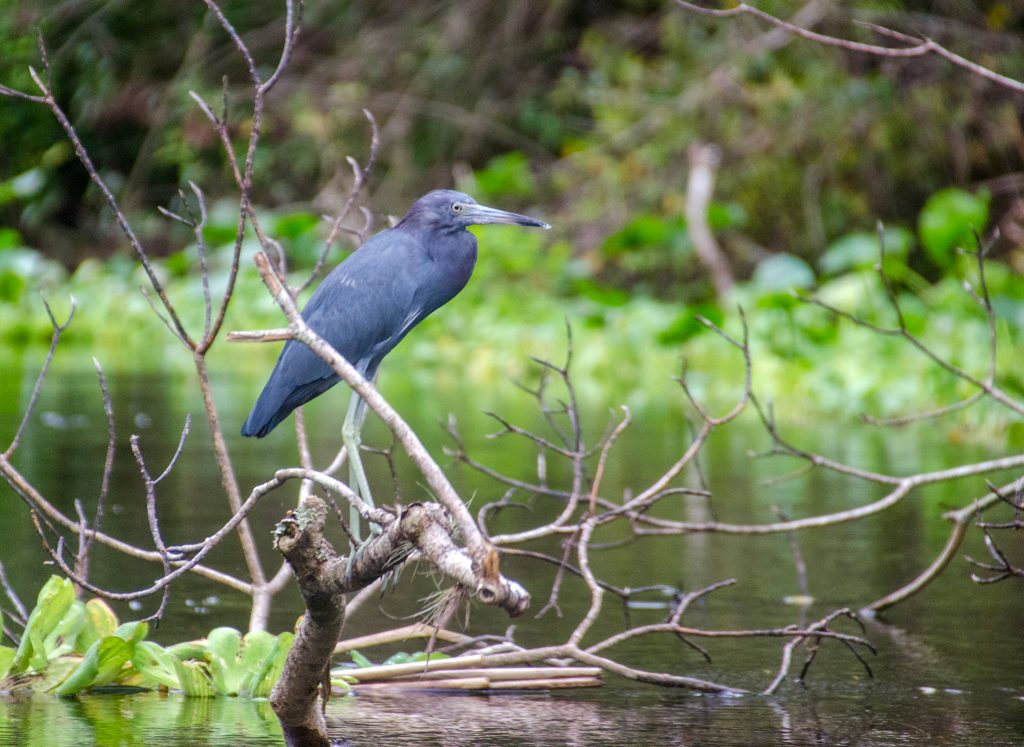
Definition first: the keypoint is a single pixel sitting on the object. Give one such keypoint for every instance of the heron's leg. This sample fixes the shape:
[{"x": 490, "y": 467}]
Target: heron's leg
[{"x": 351, "y": 436}]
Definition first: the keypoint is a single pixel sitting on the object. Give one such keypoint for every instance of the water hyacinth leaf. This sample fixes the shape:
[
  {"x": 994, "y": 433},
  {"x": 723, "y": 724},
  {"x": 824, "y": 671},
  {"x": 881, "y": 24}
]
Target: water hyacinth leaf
[
  {"x": 264, "y": 662},
  {"x": 275, "y": 666},
  {"x": 400, "y": 658},
  {"x": 61, "y": 640},
  {"x": 155, "y": 665},
  {"x": 194, "y": 678},
  {"x": 114, "y": 653},
  {"x": 361, "y": 661},
  {"x": 188, "y": 650},
  {"x": 342, "y": 682},
  {"x": 223, "y": 645},
  {"x": 52, "y": 603},
  {"x": 224, "y": 642},
  {"x": 258, "y": 647},
  {"x": 57, "y": 671},
  {"x": 7, "y": 655},
  {"x": 133, "y": 631},
  {"x": 100, "y": 621},
  {"x": 101, "y": 665}
]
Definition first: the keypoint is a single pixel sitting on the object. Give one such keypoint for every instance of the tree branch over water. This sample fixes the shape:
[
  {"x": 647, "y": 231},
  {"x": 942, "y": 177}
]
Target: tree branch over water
[{"x": 575, "y": 503}]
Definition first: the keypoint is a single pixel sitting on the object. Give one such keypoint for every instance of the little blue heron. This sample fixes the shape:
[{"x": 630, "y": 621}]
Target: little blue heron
[{"x": 370, "y": 302}]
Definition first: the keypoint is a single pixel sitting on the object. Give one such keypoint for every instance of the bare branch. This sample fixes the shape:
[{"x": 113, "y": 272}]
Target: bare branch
[
  {"x": 82, "y": 561},
  {"x": 122, "y": 221},
  {"x": 58, "y": 330},
  {"x": 359, "y": 174},
  {"x": 919, "y": 46}
]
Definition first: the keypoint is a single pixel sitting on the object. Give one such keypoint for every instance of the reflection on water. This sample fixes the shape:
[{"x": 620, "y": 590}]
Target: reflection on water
[
  {"x": 948, "y": 667},
  {"x": 139, "y": 719},
  {"x": 823, "y": 714}
]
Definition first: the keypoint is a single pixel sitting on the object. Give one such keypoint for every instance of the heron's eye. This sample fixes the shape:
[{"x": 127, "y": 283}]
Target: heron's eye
[{"x": 456, "y": 207}]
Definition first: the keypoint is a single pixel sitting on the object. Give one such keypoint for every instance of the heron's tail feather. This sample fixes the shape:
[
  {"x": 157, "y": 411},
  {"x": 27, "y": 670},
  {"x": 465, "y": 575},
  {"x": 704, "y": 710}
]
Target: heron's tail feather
[
  {"x": 278, "y": 399},
  {"x": 263, "y": 418}
]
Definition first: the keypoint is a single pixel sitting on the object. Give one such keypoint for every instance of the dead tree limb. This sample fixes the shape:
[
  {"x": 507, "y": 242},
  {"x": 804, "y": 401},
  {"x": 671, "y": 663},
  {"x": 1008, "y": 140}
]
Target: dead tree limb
[
  {"x": 700, "y": 188},
  {"x": 324, "y": 577}
]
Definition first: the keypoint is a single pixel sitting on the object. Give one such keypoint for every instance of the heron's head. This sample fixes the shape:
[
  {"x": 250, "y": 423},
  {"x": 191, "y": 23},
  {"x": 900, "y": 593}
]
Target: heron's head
[{"x": 445, "y": 208}]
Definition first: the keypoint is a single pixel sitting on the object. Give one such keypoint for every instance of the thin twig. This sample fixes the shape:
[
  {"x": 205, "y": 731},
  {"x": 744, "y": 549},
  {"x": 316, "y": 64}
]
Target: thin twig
[
  {"x": 919, "y": 46},
  {"x": 58, "y": 330}
]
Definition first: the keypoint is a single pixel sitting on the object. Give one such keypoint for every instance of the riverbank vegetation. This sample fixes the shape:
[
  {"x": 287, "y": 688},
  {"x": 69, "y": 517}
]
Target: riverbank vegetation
[{"x": 586, "y": 116}]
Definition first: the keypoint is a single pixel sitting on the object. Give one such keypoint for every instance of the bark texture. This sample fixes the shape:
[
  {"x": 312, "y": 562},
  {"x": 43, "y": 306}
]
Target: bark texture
[{"x": 324, "y": 577}]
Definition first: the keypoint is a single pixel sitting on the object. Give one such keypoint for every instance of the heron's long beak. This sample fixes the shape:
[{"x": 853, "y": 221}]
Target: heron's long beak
[{"x": 481, "y": 214}]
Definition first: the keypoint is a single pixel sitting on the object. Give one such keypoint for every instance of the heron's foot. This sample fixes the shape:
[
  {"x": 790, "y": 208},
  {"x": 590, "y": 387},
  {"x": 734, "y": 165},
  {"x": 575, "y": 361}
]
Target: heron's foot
[
  {"x": 358, "y": 548},
  {"x": 390, "y": 579},
  {"x": 354, "y": 554}
]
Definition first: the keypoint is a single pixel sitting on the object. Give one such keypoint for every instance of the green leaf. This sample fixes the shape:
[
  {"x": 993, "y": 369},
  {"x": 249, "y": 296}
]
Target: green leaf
[
  {"x": 55, "y": 673},
  {"x": 506, "y": 176},
  {"x": 602, "y": 294},
  {"x": 100, "y": 621},
  {"x": 361, "y": 661},
  {"x": 9, "y": 238},
  {"x": 950, "y": 220},
  {"x": 258, "y": 648},
  {"x": 400, "y": 658},
  {"x": 293, "y": 225},
  {"x": 646, "y": 231},
  {"x": 101, "y": 665},
  {"x": 7, "y": 655},
  {"x": 686, "y": 324},
  {"x": 224, "y": 642},
  {"x": 862, "y": 249},
  {"x": 775, "y": 278},
  {"x": 156, "y": 665},
  {"x": 61, "y": 640},
  {"x": 132, "y": 631},
  {"x": 223, "y": 645},
  {"x": 726, "y": 215},
  {"x": 188, "y": 650},
  {"x": 264, "y": 664},
  {"x": 194, "y": 678},
  {"x": 275, "y": 666},
  {"x": 52, "y": 603}
]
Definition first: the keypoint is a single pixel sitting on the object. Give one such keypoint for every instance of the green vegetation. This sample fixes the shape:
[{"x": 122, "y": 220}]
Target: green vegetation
[
  {"x": 69, "y": 646},
  {"x": 627, "y": 345},
  {"x": 581, "y": 114}
]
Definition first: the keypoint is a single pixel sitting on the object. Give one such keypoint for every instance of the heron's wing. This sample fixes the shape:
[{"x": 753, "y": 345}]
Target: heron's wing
[
  {"x": 299, "y": 376},
  {"x": 363, "y": 308},
  {"x": 365, "y": 305}
]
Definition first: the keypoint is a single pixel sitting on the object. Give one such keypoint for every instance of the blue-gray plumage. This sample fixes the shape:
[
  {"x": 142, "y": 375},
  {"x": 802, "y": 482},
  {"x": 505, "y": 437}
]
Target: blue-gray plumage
[{"x": 380, "y": 292}]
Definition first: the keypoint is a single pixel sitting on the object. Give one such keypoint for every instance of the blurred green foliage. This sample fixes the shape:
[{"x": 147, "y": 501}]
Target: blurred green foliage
[{"x": 585, "y": 109}]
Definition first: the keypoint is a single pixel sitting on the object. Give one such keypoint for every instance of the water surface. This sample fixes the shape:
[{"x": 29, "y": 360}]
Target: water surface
[{"x": 949, "y": 664}]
